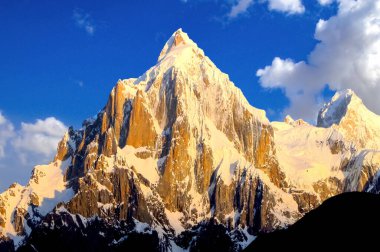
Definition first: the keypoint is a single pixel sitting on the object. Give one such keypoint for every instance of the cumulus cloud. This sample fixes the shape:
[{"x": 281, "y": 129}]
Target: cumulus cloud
[
  {"x": 83, "y": 20},
  {"x": 287, "y": 6},
  {"x": 39, "y": 138},
  {"x": 240, "y": 7},
  {"x": 23, "y": 148},
  {"x": 347, "y": 56},
  {"x": 325, "y": 2}
]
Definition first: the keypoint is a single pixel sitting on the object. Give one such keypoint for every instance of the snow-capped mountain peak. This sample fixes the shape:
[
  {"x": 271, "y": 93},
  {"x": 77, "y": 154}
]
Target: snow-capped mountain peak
[
  {"x": 333, "y": 111},
  {"x": 347, "y": 113},
  {"x": 175, "y": 45}
]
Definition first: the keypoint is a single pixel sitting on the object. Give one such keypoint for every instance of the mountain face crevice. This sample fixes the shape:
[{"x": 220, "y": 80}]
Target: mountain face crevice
[{"x": 181, "y": 150}]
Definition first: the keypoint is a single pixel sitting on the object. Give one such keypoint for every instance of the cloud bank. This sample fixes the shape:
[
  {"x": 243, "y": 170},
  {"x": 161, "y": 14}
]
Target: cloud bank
[
  {"x": 325, "y": 2},
  {"x": 21, "y": 149},
  {"x": 286, "y": 6},
  {"x": 239, "y": 7},
  {"x": 347, "y": 56}
]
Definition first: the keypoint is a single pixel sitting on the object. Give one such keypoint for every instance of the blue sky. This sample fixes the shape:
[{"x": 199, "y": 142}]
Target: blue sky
[
  {"x": 56, "y": 68},
  {"x": 60, "y": 59}
]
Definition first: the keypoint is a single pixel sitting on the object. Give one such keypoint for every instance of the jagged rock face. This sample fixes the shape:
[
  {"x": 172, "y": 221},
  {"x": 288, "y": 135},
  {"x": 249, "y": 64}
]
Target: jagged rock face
[
  {"x": 179, "y": 146},
  {"x": 169, "y": 113},
  {"x": 23, "y": 206},
  {"x": 363, "y": 172},
  {"x": 141, "y": 125},
  {"x": 203, "y": 168},
  {"x": 113, "y": 198},
  {"x": 19, "y": 216},
  {"x": 7, "y": 213},
  {"x": 63, "y": 231}
]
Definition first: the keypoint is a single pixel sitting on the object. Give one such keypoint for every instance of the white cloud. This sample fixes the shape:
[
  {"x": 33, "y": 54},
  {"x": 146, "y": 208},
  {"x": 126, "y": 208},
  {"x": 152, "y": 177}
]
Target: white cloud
[
  {"x": 21, "y": 149},
  {"x": 287, "y": 6},
  {"x": 39, "y": 138},
  {"x": 347, "y": 56},
  {"x": 6, "y": 132},
  {"x": 2, "y": 118},
  {"x": 84, "y": 21},
  {"x": 325, "y": 2},
  {"x": 240, "y": 7}
]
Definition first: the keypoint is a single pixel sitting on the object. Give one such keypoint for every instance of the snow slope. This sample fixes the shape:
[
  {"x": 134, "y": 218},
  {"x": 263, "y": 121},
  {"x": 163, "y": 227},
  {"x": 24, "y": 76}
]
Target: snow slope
[
  {"x": 347, "y": 113},
  {"x": 305, "y": 155},
  {"x": 44, "y": 191}
]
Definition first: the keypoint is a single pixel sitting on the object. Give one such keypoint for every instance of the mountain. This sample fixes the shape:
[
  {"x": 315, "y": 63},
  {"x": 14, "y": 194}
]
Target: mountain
[
  {"x": 347, "y": 113},
  {"x": 180, "y": 158},
  {"x": 341, "y": 222}
]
